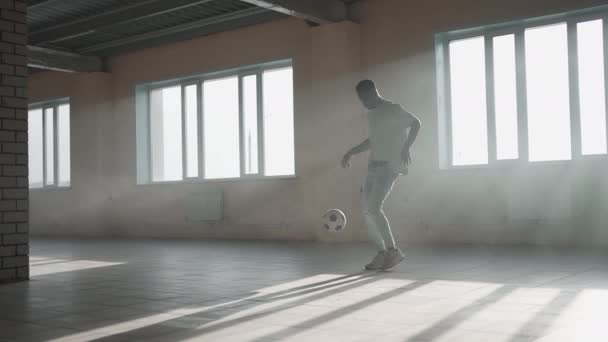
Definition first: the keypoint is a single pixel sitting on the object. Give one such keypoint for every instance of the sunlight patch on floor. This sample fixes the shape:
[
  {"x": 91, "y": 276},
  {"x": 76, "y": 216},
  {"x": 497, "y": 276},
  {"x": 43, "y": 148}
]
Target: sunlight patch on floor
[{"x": 43, "y": 266}]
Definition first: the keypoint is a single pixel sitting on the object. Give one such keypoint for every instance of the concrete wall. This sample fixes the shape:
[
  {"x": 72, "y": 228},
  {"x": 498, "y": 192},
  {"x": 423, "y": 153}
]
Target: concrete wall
[
  {"x": 392, "y": 43},
  {"x": 14, "y": 238}
]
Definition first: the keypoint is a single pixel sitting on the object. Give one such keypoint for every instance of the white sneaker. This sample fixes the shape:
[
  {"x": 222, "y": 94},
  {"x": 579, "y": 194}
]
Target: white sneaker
[
  {"x": 378, "y": 262},
  {"x": 393, "y": 256}
]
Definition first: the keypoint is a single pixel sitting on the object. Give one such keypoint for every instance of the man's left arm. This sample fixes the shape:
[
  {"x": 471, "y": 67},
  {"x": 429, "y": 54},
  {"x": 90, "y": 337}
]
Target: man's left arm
[{"x": 414, "y": 127}]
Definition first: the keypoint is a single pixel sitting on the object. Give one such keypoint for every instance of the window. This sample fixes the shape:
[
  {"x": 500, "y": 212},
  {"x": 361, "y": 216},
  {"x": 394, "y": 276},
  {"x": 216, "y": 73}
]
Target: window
[
  {"x": 226, "y": 125},
  {"x": 468, "y": 88},
  {"x": 548, "y": 93},
  {"x": 49, "y": 145},
  {"x": 221, "y": 117},
  {"x": 505, "y": 97},
  {"x": 250, "y": 124},
  {"x": 533, "y": 90},
  {"x": 278, "y": 122},
  {"x": 166, "y": 133},
  {"x": 191, "y": 122},
  {"x": 592, "y": 87},
  {"x": 36, "y": 148}
]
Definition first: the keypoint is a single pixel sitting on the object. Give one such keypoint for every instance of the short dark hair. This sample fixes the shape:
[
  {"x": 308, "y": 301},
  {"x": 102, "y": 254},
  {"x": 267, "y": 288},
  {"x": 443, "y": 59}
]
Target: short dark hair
[{"x": 365, "y": 85}]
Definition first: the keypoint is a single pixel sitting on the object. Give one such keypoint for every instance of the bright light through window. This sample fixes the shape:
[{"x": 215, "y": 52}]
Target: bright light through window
[
  {"x": 63, "y": 144},
  {"x": 468, "y": 94},
  {"x": 592, "y": 87},
  {"x": 548, "y": 93},
  {"x": 166, "y": 133},
  {"x": 534, "y": 80},
  {"x": 190, "y": 94},
  {"x": 505, "y": 97},
  {"x": 49, "y": 133},
  {"x": 49, "y": 157},
  {"x": 278, "y": 122},
  {"x": 231, "y": 122},
  {"x": 35, "y": 148},
  {"x": 221, "y": 117},
  {"x": 250, "y": 124}
]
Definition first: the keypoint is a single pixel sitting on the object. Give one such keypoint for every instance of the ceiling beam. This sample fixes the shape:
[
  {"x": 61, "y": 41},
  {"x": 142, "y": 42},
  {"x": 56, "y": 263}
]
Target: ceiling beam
[
  {"x": 316, "y": 11},
  {"x": 50, "y": 59},
  {"x": 83, "y": 26},
  {"x": 33, "y": 4},
  {"x": 250, "y": 16}
]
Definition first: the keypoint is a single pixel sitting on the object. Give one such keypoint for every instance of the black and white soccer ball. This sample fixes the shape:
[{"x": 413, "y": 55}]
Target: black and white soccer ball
[{"x": 334, "y": 220}]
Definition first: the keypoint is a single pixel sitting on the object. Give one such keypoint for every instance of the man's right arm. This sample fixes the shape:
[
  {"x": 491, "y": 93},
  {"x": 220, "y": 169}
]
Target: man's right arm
[{"x": 362, "y": 147}]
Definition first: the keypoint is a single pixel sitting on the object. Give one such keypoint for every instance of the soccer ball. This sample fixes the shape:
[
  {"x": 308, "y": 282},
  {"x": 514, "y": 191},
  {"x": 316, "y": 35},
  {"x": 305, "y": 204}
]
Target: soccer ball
[{"x": 334, "y": 220}]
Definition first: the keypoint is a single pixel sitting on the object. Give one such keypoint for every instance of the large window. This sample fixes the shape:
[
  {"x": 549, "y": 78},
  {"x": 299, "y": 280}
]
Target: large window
[
  {"x": 234, "y": 124},
  {"x": 533, "y": 90},
  {"x": 49, "y": 145}
]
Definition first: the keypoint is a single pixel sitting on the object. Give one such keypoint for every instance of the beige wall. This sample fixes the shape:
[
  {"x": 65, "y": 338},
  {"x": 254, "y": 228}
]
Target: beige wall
[{"x": 392, "y": 43}]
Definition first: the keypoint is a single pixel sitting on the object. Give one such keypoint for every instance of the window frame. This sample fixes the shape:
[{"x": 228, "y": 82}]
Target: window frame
[
  {"x": 198, "y": 80},
  {"x": 53, "y": 104},
  {"x": 516, "y": 28}
]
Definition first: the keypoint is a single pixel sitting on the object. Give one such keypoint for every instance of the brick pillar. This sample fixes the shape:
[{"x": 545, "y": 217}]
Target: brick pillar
[{"x": 14, "y": 237}]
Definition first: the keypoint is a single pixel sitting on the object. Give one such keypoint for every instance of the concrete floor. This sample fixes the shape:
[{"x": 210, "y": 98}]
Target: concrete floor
[{"x": 153, "y": 290}]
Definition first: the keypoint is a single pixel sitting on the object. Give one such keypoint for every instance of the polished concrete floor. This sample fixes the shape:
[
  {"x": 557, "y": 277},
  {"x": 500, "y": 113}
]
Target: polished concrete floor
[{"x": 153, "y": 290}]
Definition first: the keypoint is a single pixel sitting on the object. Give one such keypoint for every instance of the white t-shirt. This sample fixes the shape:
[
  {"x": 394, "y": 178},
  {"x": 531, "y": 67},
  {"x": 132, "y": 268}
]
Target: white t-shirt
[{"x": 388, "y": 124}]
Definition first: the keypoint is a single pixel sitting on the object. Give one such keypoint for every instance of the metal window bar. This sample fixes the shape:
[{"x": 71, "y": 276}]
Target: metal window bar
[
  {"x": 605, "y": 40},
  {"x": 243, "y": 142},
  {"x": 261, "y": 141},
  {"x": 441, "y": 112},
  {"x": 58, "y": 154},
  {"x": 184, "y": 138},
  {"x": 56, "y": 145},
  {"x": 44, "y": 157},
  {"x": 150, "y": 163},
  {"x": 522, "y": 95},
  {"x": 575, "y": 109},
  {"x": 447, "y": 90},
  {"x": 201, "y": 130},
  {"x": 185, "y": 124},
  {"x": 490, "y": 100},
  {"x": 241, "y": 128}
]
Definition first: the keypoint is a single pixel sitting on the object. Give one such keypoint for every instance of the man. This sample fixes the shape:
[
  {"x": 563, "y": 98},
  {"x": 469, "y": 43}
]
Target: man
[{"x": 389, "y": 142}]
